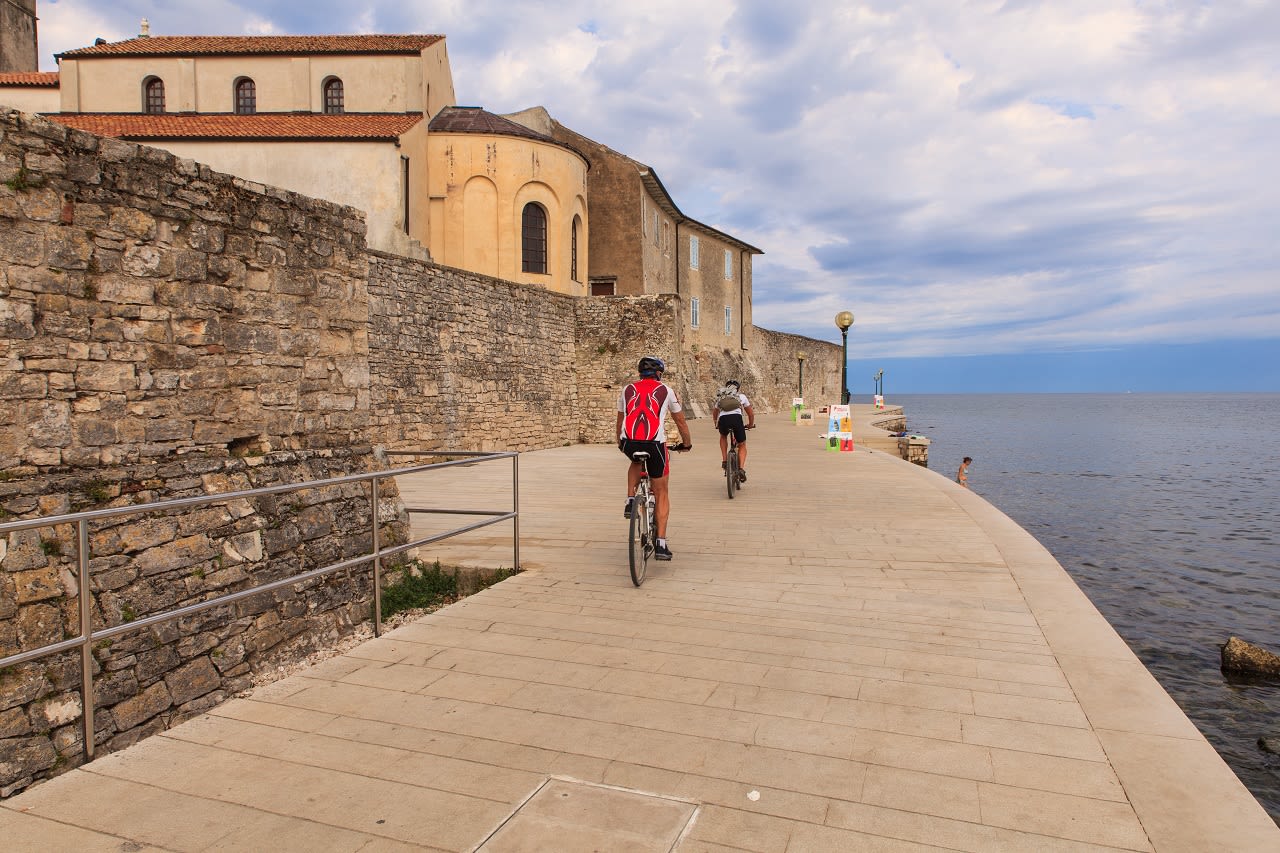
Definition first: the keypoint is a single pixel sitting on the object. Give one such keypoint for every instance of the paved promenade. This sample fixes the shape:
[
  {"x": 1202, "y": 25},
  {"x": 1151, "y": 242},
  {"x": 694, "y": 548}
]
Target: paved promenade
[{"x": 855, "y": 654}]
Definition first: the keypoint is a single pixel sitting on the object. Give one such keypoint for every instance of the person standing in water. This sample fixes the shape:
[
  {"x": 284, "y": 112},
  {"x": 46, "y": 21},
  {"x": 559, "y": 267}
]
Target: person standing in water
[{"x": 962, "y": 476}]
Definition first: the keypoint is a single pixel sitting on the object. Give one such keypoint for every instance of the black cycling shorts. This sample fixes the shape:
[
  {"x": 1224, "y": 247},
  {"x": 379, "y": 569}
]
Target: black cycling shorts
[
  {"x": 659, "y": 461},
  {"x": 732, "y": 421}
]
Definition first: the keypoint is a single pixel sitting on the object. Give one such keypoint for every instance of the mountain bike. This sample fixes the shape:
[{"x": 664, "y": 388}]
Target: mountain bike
[
  {"x": 733, "y": 478},
  {"x": 643, "y": 532}
]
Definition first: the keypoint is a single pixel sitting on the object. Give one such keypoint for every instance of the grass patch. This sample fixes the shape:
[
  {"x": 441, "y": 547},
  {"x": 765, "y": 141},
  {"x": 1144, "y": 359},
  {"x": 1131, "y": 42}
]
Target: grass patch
[
  {"x": 23, "y": 181},
  {"x": 51, "y": 547},
  {"x": 423, "y": 587},
  {"x": 97, "y": 491}
]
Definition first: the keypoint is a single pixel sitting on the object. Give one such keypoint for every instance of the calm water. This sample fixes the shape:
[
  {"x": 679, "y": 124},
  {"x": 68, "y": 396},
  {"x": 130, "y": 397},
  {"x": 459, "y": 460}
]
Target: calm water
[{"x": 1165, "y": 508}]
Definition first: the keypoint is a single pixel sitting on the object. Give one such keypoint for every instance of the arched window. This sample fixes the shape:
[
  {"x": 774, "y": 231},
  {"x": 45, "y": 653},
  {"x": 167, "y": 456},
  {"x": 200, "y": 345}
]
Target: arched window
[
  {"x": 246, "y": 97},
  {"x": 153, "y": 95},
  {"x": 573, "y": 250},
  {"x": 333, "y": 98},
  {"x": 533, "y": 239}
]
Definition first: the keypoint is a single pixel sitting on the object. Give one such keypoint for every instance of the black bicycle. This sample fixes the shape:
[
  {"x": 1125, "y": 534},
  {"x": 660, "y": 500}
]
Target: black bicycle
[{"x": 733, "y": 476}]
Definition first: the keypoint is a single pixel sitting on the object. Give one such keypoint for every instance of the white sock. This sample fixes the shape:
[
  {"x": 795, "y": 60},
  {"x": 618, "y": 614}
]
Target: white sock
[{"x": 662, "y": 542}]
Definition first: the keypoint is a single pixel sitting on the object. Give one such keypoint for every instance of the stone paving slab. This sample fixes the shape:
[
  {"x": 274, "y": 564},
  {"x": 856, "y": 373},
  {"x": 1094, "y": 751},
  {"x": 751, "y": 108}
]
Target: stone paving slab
[{"x": 854, "y": 654}]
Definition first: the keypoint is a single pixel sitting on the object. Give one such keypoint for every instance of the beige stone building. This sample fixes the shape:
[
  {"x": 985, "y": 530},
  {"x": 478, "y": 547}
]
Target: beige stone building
[
  {"x": 488, "y": 172},
  {"x": 642, "y": 243},
  {"x": 336, "y": 117}
]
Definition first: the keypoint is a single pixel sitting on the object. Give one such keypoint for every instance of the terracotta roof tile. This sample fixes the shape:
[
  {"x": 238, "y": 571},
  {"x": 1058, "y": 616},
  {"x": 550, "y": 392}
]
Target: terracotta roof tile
[
  {"x": 30, "y": 78},
  {"x": 477, "y": 120},
  {"x": 261, "y": 45},
  {"x": 277, "y": 126}
]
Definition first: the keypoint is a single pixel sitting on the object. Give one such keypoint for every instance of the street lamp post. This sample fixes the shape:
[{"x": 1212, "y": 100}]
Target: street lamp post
[
  {"x": 843, "y": 321},
  {"x": 800, "y": 384},
  {"x": 879, "y": 378}
]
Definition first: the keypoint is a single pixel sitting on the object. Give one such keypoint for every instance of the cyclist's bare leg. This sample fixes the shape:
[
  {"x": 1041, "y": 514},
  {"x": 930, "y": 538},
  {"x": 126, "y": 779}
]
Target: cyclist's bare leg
[
  {"x": 742, "y": 454},
  {"x": 724, "y": 447},
  {"x": 633, "y": 479},
  {"x": 662, "y": 503}
]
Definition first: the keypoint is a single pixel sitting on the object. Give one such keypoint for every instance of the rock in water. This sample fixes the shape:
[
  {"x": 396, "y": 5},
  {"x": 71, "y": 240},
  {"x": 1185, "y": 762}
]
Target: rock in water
[
  {"x": 1270, "y": 744},
  {"x": 1241, "y": 657}
]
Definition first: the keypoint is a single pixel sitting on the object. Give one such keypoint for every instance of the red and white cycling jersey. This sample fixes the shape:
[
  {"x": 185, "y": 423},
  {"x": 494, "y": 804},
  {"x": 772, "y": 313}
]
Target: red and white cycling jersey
[{"x": 644, "y": 405}]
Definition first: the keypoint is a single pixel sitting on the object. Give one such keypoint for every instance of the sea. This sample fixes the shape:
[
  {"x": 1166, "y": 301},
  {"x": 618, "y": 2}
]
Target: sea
[{"x": 1165, "y": 509}]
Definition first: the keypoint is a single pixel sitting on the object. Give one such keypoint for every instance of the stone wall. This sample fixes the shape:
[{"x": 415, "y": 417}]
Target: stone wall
[
  {"x": 769, "y": 372},
  {"x": 150, "y": 306},
  {"x": 613, "y": 333},
  {"x": 463, "y": 361},
  {"x": 167, "y": 331}
]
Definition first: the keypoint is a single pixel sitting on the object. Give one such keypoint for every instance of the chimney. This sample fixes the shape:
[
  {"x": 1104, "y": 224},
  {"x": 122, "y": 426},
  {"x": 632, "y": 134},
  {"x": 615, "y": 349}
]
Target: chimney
[{"x": 145, "y": 30}]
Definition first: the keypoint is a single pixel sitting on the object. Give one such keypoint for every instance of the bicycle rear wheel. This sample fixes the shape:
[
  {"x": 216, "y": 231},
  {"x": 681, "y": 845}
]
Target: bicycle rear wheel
[
  {"x": 731, "y": 472},
  {"x": 640, "y": 544}
]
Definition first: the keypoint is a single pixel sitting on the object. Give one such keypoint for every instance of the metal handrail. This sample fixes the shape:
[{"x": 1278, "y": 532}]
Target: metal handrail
[{"x": 88, "y": 635}]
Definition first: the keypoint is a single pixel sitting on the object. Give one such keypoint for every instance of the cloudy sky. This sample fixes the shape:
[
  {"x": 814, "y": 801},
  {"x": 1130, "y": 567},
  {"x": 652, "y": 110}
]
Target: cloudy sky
[{"x": 1068, "y": 195}]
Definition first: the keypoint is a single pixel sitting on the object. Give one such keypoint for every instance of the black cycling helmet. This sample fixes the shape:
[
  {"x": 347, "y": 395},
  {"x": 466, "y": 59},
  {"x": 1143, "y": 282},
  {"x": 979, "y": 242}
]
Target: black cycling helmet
[
  {"x": 735, "y": 383},
  {"x": 650, "y": 365}
]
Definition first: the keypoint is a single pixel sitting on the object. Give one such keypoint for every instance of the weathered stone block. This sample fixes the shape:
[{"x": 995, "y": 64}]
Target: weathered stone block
[
  {"x": 106, "y": 376},
  {"x": 136, "y": 534},
  {"x": 38, "y": 625},
  {"x": 94, "y": 432},
  {"x": 56, "y": 711},
  {"x": 194, "y": 679},
  {"x": 142, "y": 707},
  {"x": 147, "y": 261},
  {"x": 24, "y": 756},
  {"x": 124, "y": 289},
  {"x": 14, "y": 723},
  {"x": 37, "y": 584},
  {"x": 245, "y": 547},
  {"x": 21, "y": 685},
  {"x": 133, "y": 222},
  {"x": 179, "y": 554},
  {"x": 113, "y": 687},
  {"x": 69, "y": 249}
]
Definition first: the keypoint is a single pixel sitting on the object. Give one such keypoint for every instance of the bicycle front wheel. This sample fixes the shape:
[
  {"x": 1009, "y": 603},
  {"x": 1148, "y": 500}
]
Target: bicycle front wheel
[
  {"x": 731, "y": 472},
  {"x": 638, "y": 543}
]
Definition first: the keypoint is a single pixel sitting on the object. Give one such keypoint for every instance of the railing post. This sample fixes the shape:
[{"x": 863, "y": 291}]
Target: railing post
[
  {"x": 515, "y": 507},
  {"x": 377, "y": 563},
  {"x": 86, "y": 632}
]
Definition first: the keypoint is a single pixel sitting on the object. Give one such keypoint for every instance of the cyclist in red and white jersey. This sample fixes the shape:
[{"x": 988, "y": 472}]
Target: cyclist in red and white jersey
[{"x": 643, "y": 406}]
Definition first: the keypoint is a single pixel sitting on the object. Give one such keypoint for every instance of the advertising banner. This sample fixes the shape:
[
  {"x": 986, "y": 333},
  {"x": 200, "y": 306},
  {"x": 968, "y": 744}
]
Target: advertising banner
[{"x": 840, "y": 429}]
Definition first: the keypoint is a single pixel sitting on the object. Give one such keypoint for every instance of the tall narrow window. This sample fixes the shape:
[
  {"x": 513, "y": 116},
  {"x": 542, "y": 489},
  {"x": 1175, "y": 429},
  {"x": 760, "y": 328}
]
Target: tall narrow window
[
  {"x": 404, "y": 190},
  {"x": 333, "y": 98},
  {"x": 573, "y": 250},
  {"x": 655, "y": 228},
  {"x": 533, "y": 242},
  {"x": 728, "y": 264},
  {"x": 246, "y": 97},
  {"x": 154, "y": 96},
  {"x": 693, "y": 253},
  {"x": 728, "y": 320},
  {"x": 693, "y": 312}
]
